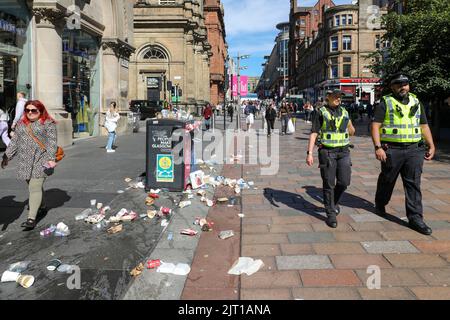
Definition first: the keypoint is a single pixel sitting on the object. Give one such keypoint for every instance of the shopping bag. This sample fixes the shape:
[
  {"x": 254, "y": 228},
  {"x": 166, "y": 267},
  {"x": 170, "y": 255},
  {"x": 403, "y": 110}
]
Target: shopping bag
[{"x": 291, "y": 127}]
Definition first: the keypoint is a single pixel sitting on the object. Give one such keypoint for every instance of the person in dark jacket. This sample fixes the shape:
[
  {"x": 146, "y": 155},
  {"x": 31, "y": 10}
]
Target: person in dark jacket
[{"x": 271, "y": 115}]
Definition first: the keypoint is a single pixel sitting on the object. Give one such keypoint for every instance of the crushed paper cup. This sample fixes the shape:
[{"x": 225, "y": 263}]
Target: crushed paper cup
[
  {"x": 115, "y": 229},
  {"x": 151, "y": 213},
  {"x": 9, "y": 276},
  {"x": 25, "y": 281}
]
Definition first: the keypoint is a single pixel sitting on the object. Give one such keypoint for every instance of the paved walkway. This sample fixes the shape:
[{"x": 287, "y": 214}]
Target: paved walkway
[{"x": 304, "y": 259}]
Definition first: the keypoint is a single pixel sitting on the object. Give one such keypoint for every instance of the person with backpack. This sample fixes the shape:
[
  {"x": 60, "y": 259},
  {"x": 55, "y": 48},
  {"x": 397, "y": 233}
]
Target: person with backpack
[{"x": 35, "y": 147}]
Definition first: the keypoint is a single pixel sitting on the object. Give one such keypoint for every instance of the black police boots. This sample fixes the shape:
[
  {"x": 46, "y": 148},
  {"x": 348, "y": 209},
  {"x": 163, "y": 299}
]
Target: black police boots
[
  {"x": 332, "y": 221},
  {"x": 420, "y": 226},
  {"x": 380, "y": 210}
]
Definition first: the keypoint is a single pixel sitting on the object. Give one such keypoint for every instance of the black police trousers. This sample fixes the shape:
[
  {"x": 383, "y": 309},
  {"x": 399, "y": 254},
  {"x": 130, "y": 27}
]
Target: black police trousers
[
  {"x": 335, "y": 169},
  {"x": 407, "y": 162}
]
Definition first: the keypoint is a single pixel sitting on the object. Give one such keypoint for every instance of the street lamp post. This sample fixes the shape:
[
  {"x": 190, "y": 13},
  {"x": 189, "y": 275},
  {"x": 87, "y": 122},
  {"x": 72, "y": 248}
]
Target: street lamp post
[{"x": 239, "y": 68}]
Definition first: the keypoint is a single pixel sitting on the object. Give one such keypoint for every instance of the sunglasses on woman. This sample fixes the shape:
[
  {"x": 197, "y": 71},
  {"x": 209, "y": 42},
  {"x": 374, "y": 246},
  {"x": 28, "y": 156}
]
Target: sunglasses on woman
[{"x": 33, "y": 111}]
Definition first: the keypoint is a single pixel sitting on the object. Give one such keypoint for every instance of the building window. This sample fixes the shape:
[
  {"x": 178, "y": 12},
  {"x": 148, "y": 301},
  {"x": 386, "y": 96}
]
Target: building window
[
  {"x": 154, "y": 53},
  {"x": 346, "y": 42},
  {"x": 337, "y": 21},
  {"x": 347, "y": 70},
  {"x": 350, "y": 19},
  {"x": 344, "y": 20},
  {"x": 334, "y": 44},
  {"x": 334, "y": 72},
  {"x": 377, "y": 42}
]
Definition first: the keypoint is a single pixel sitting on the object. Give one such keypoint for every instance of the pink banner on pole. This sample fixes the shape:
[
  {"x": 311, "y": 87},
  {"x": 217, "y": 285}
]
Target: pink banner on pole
[{"x": 244, "y": 86}]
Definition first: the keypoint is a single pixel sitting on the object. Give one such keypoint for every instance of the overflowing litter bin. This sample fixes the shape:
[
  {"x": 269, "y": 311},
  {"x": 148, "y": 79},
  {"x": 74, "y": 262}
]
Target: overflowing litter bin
[{"x": 169, "y": 158}]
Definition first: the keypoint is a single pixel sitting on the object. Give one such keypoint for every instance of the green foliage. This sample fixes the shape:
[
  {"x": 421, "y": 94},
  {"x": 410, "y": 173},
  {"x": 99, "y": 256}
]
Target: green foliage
[{"x": 420, "y": 46}]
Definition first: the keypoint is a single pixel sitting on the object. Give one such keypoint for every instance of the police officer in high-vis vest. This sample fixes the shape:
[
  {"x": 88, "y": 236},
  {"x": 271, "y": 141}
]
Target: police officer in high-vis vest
[
  {"x": 399, "y": 129},
  {"x": 333, "y": 126}
]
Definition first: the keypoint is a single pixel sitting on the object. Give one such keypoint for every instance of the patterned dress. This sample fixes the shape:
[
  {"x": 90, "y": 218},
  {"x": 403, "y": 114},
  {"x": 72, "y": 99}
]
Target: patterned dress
[{"x": 31, "y": 158}]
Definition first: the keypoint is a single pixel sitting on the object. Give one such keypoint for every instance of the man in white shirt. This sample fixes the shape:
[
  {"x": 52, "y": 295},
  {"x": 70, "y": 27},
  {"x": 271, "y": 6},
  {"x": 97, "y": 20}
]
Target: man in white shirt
[
  {"x": 4, "y": 118},
  {"x": 20, "y": 106}
]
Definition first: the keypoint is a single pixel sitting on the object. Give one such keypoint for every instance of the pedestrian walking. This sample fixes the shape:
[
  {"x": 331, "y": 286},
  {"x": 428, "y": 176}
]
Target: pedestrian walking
[
  {"x": 333, "y": 126},
  {"x": 398, "y": 130},
  {"x": 111, "y": 120},
  {"x": 271, "y": 115},
  {"x": 20, "y": 106},
  {"x": 308, "y": 111},
  {"x": 34, "y": 145},
  {"x": 283, "y": 114},
  {"x": 4, "y": 118},
  {"x": 207, "y": 115},
  {"x": 250, "y": 112},
  {"x": 231, "y": 112}
]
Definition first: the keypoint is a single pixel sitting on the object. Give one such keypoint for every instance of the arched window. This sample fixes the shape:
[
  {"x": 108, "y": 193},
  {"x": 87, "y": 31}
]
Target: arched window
[{"x": 154, "y": 53}]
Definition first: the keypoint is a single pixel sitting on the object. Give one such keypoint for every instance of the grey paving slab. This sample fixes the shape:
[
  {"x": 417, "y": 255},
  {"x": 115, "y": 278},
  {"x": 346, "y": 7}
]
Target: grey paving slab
[
  {"x": 378, "y": 247},
  {"x": 303, "y": 262},
  {"x": 366, "y": 217}
]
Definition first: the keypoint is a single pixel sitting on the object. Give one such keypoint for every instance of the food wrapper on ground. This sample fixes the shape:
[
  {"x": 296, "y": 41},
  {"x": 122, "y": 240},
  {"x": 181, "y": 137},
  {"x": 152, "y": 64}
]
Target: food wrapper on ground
[
  {"x": 157, "y": 191},
  {"x": 222, "y": 200},
  {"x": 128, "y": 180},
  {"x": 245, "y": 265},
  {"x": 124, "y": 215},
  {"x": 226, "y": 234},
  {"x": 184, "y": 204},
  {"x": 138, "y": 270},
  {"x": 153, "y": 264},
  {"x": 209, "y": 203},
  {"x": 164, "y": 223},
  {"x": 237, "y": 190},
  {"x": 201, "y": 193},
  {"x": 149, "y": 201},
  {"x": 189, "y": 232},
  {"x": 153, "y": 195},
  {"x": 19, "y": 266},
  {"x": 163, "y": 211},
  {"x": 151, "y": 213},
  {"x": 115, "y": 229},
  {"x": 94, "y": 219}
]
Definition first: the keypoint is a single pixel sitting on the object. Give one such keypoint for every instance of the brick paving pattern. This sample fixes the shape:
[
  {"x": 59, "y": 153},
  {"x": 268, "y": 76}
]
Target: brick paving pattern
[{"x": 304, "y": 259}]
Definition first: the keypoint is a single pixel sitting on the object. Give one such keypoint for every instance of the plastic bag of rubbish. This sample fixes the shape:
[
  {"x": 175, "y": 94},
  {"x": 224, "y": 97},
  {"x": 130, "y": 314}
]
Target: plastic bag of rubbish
[
  {"x": 245, "y": 265},
  {"x": 62, "y": 230},
  {"x": 19, "y": 267},
  {"x": 166, "y": 268}
]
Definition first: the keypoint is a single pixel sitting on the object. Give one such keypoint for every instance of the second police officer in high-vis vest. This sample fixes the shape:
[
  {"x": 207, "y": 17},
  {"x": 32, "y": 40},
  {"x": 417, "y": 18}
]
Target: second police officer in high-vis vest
[
  {"x": 333, "y": 126},
  {"x": 398, "y": 131}
]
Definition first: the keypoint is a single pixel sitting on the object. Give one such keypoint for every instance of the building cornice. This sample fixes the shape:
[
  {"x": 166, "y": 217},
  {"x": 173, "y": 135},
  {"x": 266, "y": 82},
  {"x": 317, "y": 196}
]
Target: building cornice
[{"x": 117, "y": 47}]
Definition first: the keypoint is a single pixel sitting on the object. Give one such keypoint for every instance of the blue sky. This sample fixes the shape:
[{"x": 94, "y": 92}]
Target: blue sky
[{"x": 251, "y": 27}]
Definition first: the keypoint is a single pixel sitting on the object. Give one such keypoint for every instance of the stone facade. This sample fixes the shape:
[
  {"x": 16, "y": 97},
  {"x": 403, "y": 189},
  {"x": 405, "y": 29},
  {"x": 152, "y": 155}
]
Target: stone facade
[
  {"x": 214, "y": 15},
  {"x": 337, "y": 58},
  {"x": 107, "y": 22},
  {"x": 171, "y": 45}
]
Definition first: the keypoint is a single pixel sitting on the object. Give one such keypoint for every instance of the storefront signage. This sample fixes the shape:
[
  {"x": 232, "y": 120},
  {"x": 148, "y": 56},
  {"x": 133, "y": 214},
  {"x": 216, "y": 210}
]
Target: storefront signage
[
  {"x": 164, "y": 168},
  {"x": 370, "y": 80},
  {"x": 12, "y": 28},
  {"x": 153, "y": 83}
]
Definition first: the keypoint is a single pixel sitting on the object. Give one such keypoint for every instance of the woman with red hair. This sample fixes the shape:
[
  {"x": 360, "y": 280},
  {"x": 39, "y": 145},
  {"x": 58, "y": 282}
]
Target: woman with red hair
[{"x": 35, "y": 130}]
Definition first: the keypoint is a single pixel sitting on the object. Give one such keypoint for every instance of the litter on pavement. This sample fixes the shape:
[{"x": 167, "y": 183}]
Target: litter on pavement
[
  {"x": 138, "y": 270},
  {"x": 54, "y": 264},
  {"x": 62, "y": 230},
  {"x": 181, "y": 269},
  {"x": 153, "y": 264},
  {"x": 245, "y": 265},
  {"x": 115, "y": 229},
  {"x": 189, "y": 232},
  {"x": 226, "y": 234},
  {"x": 19, "y": 266}
]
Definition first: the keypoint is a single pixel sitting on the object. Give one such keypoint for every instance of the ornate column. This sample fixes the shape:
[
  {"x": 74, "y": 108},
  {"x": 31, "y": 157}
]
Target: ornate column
[
  {"x": 49, "y": 68},
  {"x": 114, "y": 51}
]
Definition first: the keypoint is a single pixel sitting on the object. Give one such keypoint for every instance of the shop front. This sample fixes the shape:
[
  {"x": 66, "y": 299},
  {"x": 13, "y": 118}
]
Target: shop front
[
  {"x": 15, "y": 70},
  {"x": 81, "y": 78}
]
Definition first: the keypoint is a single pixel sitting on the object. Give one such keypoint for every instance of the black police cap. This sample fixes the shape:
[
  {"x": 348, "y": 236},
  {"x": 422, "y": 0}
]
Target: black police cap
[
  {"x": 335, "y": 92},
  {"x": 399, "y": 77}
]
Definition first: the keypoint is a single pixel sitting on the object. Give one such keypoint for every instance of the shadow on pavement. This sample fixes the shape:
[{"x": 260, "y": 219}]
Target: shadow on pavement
[
  {"x": 12, "y": 210},
  {"x": 294, "y": 201}
]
